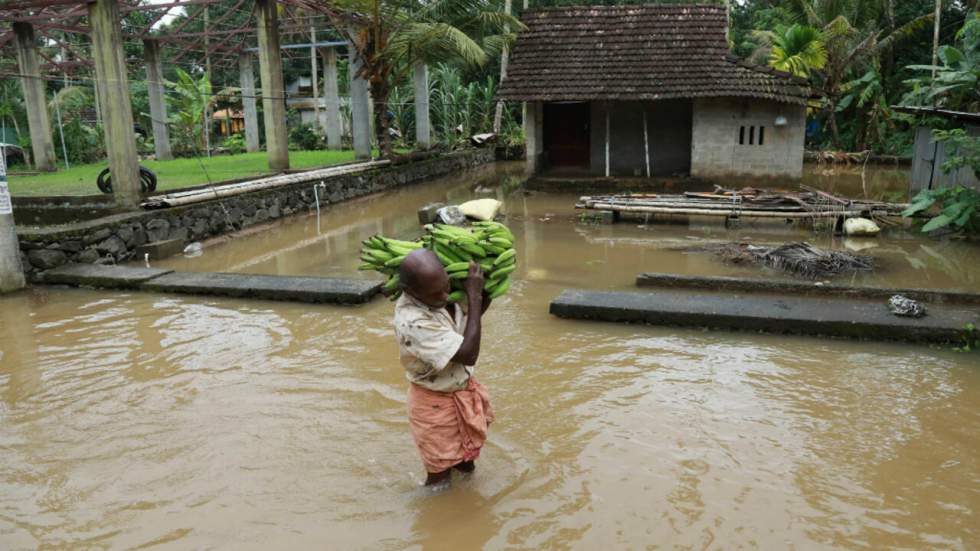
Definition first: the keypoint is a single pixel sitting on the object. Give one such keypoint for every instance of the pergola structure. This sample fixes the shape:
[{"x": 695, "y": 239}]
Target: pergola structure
[{"x": 223, "y": 42}]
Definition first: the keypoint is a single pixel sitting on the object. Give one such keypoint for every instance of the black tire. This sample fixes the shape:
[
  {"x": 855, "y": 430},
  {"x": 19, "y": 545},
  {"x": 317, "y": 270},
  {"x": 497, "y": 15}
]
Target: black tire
[
  {"x": 148, "y": 181},
  {"x": 104, "y": 181}
]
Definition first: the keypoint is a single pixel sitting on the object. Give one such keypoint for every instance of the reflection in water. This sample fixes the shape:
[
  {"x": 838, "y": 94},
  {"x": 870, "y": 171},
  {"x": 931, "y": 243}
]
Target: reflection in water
[{"x": 133, "y": 420}]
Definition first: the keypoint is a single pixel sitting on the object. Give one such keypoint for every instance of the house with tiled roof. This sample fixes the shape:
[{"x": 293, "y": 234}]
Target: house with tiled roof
[{"x": 651, "y": 91}]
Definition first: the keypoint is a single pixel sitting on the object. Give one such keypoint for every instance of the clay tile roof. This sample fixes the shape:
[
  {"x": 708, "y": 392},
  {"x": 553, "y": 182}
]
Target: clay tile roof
[{"x": 635, "y": 53}]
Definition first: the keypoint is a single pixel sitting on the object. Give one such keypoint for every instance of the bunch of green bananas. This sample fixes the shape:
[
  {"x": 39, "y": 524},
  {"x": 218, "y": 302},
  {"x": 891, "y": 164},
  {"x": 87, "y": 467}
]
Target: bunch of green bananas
[
  {"x": 385, "y": 255},
  {"x": 490, "y": 244}
]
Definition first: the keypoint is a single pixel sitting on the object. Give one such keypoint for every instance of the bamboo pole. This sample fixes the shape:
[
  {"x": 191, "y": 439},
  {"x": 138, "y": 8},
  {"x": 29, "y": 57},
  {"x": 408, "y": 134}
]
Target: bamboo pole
[
  {"x": 230, "y": 190},
  {"x": 719, "y": 212}
]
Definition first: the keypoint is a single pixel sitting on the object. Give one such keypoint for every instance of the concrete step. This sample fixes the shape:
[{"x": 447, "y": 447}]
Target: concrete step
[
  {"x": 762, "y": 285},
  {"x": 104, "y": 277},
  {"x": 268, "y": 287},
  {"x": 773, "y": 313}
]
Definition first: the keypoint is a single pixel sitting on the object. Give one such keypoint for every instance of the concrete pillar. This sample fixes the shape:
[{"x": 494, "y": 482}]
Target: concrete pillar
[
  {"x": 247, "y": 82},
  {"x": 332, "y": 98},
  {"x": 117, "y": 116},
  {"x": 35, "y": 100},
  {"x": 158, "y": 105},
  {"x": 11, "y": 270},
  {"x": 423, "y": 132},
  {"x": 533, "y": 137},
  {"x": 360, "y": 110},
  {"x": 273, "y": 92}
]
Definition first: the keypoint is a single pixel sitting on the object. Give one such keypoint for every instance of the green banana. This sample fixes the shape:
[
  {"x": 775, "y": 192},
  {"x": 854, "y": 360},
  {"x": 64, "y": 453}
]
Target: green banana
[
  {"x": 458, "y": 266},
  {"x": 500, "y": 289},
  {"x": 510, "y": 253},
  {"x": 457, "y": 296},
  {"x": 501, "y": 272},
  {"x": 394, "y": 262}
]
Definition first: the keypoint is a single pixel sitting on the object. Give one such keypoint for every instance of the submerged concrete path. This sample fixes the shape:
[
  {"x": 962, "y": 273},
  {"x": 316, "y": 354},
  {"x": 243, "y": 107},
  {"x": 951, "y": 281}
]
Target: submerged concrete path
[
  {"x": 773, "y": 313},
  {"x": 267, "y": 287}
]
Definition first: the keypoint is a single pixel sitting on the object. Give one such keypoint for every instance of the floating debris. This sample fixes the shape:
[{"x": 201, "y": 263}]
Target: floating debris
[
  {"x": 906, "y": 307},
  {"x": 800, "y": 259}
]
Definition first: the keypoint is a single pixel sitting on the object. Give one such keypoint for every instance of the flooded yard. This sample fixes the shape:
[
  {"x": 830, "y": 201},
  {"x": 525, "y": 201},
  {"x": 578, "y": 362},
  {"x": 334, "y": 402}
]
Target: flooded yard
[{"x": 140, "y": 420}]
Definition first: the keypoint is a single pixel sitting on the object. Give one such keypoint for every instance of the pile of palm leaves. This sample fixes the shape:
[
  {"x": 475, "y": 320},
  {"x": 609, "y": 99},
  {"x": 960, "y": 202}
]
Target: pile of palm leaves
[{"x": 800, "y": 259}]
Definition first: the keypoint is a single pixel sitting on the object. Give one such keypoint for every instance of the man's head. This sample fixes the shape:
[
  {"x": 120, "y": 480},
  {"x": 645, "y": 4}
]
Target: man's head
[{"x": 423, "y": 277}]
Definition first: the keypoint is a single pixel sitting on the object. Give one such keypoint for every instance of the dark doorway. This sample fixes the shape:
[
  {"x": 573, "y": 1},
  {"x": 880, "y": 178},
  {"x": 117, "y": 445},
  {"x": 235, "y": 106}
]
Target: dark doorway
[
  {"x": 566, "y": 134},
  {"x": 669, "y": 125}
]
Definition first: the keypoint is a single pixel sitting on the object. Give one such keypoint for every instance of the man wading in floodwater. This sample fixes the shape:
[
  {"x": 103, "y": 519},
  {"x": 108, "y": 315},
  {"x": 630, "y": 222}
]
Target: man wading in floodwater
[{"x": 449, "y": 411}]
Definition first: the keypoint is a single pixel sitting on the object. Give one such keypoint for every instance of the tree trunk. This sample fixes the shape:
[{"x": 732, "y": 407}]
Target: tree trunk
[
  {"x": 832, "y": 119},
  {"x": 379, "y": 97}
]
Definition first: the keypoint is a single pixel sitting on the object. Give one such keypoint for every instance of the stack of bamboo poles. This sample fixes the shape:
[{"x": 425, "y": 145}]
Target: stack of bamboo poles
[{"x": 747, "y": 203}]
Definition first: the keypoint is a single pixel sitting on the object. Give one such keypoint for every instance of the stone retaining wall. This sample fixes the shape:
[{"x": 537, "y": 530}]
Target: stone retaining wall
[{"x": 115, "y": 238}]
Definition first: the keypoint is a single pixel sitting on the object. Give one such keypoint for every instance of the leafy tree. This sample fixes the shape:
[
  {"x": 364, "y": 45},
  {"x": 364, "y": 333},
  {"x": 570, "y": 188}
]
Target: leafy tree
[
  {"x": 956, "y": 84},
  {"x": 391, "y": 36}
]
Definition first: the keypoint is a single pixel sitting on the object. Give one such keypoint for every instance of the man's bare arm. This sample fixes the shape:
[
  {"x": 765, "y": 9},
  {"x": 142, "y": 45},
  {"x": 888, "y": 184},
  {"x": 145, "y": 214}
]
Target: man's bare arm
[{"x": 469, "y": 351}]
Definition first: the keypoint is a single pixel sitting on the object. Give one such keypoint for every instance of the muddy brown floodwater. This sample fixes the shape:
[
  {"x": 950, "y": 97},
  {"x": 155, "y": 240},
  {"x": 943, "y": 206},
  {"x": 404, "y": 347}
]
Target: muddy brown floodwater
[{"x": 133, "y": 421}]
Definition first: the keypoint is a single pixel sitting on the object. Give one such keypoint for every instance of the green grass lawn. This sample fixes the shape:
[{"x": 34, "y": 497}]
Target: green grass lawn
[{"x": 178, "y": 173}]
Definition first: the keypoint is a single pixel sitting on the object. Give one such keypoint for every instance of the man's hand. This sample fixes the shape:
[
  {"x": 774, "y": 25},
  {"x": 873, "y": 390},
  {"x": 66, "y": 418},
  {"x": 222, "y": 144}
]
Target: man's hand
[{"x": 474, "y": 281}]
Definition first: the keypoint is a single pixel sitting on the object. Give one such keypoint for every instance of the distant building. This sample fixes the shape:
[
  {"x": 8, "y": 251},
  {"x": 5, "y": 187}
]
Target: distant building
[
  {"x": 928, "y": 156},
  {"x": 651, "y": 91},
  {"x": 229, "y": 121}
]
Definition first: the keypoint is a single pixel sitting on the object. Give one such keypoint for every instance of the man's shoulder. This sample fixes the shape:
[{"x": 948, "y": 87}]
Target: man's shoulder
[{"x": 406, "y": 310}]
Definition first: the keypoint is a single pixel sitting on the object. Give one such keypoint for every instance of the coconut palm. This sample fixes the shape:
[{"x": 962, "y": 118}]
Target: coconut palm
[
  {"x": 797, "y": 49},
  {"x": 853, "y": 35},
  {"x": 390, "y": 36}
]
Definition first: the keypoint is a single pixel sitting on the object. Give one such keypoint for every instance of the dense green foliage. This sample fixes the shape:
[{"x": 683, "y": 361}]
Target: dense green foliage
[{"x": 863, "y": 56}]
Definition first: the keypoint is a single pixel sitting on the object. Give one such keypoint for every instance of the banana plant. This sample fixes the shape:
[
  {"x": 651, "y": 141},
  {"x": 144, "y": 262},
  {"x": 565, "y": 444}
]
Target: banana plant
[{"x": 188, "y": 104}]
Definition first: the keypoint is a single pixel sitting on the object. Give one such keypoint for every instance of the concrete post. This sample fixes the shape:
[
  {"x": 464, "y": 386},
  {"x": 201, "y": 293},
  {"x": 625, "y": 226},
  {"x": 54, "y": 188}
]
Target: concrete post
[
  {"x": 35, "y": 100},
  {"x": 158, "y": 106},
  {"x": 273, "y": 92},
  {"x": 110, "y": 71},
  {"x": 247, "y": 82},
  {"x": 360, "y": 114},
  {"x": 533, "y": 137},
  {"x": 11, "y": 270},
  {"x": 332, "y": 97},
  {"x": 423, "y": 132}
]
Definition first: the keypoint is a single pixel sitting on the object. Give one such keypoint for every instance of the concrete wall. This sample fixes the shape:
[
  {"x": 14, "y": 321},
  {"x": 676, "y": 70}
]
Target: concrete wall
[
  {"x": 115, "y": 238},
  {"x": 717, "y": 153}
]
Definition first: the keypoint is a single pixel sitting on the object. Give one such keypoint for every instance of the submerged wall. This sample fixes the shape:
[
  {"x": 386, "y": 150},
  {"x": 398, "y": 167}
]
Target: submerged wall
[
  {"x": 115, "y": 238},
  {"x": 725, "y": 140}
]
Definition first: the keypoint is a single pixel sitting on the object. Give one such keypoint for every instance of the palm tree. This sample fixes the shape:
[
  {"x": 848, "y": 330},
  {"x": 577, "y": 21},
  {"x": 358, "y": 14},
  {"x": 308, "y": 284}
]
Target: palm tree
[
  {"x": 390, "y": 36},
  {"x": 797, "y": 49},
  {"x": 852, "y": 35}
]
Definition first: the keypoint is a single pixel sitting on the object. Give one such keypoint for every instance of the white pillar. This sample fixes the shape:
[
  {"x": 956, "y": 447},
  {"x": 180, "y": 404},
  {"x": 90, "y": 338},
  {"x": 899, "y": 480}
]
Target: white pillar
[
  {"x": 423, "y": 132},
  {"x": 35, "y": 99},
  {"x": 11, "y": 270},
  {"x": 117, "y": 115},
  {"x": 361, "y": 123},
  {"x": 249, "y": 104},
  {"x": 158, "y": 106},
  {"x": 331, "y": 96},
  {"x": 273, "y": 92},
  {"x": 533, "y": 134}
]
